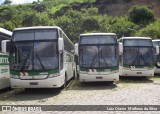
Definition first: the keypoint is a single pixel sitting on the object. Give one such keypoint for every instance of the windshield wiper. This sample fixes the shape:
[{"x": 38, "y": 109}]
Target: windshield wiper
[
  {"x": 40, "y": 61},
  {"x": 25, "y": 62},
  {"x": 93, "y": 60},
  {"x": 104, "y": 58},
  {"x": 143, "y": 59},
  {"x": 135, "y": 59}
]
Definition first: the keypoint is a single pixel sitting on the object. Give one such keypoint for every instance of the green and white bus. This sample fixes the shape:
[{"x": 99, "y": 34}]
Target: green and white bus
[
  {"x": 98, "y": 57},
  {"x": 41, "y": 57},
  {"x": 5, "y": 37},
  {"x": 136, "y": 56},
  {"x": 156, "y": 42}
]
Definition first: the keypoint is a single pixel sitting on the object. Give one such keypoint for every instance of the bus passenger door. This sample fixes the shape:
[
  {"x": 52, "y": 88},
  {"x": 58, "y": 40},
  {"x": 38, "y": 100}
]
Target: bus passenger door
[{"x": 69, "y": 66}]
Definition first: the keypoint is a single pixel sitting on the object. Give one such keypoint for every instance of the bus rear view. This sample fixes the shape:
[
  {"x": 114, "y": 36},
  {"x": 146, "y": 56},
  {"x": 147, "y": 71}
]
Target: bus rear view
[{"x": 98, "y": 57}]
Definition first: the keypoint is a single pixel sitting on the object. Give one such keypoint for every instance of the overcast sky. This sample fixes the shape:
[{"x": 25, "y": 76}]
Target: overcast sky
[{"x": 19, "y": 1}]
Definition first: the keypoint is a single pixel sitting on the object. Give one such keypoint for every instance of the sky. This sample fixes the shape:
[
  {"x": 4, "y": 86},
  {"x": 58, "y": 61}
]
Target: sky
[{"x": 19, "y": 1}]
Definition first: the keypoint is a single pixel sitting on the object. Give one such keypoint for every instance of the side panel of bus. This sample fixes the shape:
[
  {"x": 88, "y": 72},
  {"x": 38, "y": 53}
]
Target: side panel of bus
[
  {"x": 69, "y": 65},
  {"x": 4, "y": 71}
]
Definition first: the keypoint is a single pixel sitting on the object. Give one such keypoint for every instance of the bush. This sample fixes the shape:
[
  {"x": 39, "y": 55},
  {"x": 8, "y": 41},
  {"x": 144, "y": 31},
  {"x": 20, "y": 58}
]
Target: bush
[
  {"x": 141, "y": 15},
  {"x": 152, "y": 30},
  {"x": 90, "y": 24},
  {"x": 123, "y": 27}
]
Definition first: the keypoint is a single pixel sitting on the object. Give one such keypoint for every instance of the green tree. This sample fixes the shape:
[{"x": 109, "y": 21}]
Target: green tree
[
  {"x": 123, "y": 27},
  {"x": 152, "y": 30},
  {"x": 141, "y": 15},
  {"x": 7, "y": 2},
  {"x": 35, "y": 19},
  {"x": 90, "y": 11},
  {"x": 71, "y": 23},
  {"x": 90, "y": 24}
]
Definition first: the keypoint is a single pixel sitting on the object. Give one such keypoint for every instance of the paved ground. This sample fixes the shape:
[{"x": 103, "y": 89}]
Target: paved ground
[{"x": 128, "y": 91}]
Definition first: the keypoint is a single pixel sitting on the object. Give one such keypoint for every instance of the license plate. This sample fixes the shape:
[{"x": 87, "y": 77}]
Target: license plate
[
  {"x": 98, "y": 77},
  {"x": 139, "y": 72},
  {"x": 33, "y": 83}
]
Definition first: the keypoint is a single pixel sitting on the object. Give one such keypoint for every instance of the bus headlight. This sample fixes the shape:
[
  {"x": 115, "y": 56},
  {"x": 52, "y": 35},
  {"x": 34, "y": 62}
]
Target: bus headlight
[
  {"x": 14, "y": 76},
  {"x": 53, "y": 75}
]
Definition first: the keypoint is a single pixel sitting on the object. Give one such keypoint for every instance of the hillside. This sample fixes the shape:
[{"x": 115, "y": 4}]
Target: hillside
[
  {"x": 83, "y": 16},
  {"x": 114, "y": 7}
]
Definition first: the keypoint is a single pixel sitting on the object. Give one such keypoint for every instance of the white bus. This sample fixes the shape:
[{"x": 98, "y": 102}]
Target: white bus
[
  {"x": 5, "y": 37},
  {"x": 98, "y": 57},
  {"x": 41, "y": 57},
  {"x": 136, "y": 56},
  {"x": 156, "y": 42}
]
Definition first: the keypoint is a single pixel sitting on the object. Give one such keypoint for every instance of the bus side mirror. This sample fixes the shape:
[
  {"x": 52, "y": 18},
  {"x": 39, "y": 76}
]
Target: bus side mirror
[
  {"x": 60, "y": 44},
  {"x": 4, "y": 45},
  {"x": 76, "y": 48},
  {"x": 157, "y": 50},
  {"x": 120, "y": 48}
]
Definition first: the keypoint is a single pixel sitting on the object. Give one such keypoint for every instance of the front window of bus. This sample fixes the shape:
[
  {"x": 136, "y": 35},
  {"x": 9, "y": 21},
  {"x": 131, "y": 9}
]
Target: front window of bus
[
  {"x": 138, "y": 52},
  {"x": 34, "y": 50},
  {"x": 98, "y": 51}
]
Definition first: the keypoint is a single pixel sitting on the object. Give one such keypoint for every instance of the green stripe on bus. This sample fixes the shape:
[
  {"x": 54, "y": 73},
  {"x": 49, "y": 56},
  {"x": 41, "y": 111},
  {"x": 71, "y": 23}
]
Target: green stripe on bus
[
  {"x": 35, "y": 73},
  {"x": 129, "y": 66},
  {"x": 4, "y": 55},
  {"x": 99, "y": 69}
]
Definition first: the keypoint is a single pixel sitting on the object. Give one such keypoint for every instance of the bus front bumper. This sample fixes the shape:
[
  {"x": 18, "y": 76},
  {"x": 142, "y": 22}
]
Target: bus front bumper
[
  {"x": 128, "y": 72},
  {"x": 98, "y": 78},
  {"x": 54, "y": 82}
]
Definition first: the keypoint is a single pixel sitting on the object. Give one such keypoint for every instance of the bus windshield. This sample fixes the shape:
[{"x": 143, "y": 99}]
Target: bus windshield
[
  {"x": 34, "y": 56},
  {"x": 31, "y": 55},
  {"x": 98, "y": 56},
  {"x": 138, "y": 52},
  {"x": 98, "y": 51}
]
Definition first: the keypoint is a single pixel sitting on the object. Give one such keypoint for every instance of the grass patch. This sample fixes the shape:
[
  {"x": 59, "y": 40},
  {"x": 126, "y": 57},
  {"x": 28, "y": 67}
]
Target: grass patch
[
  {"x": 156, "y": 78},
  {"x": 58, "y": 4}
]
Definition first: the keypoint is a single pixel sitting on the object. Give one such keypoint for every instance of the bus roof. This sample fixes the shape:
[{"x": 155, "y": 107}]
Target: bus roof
[
  {"x": 41, "y": 27},
  {"x": 6, "y": 32},
  {"x": 156, "y": 40},
  {"x": 37, "y": 27},
  {"x": 90, "y": 34},
  {"x": 136, "y": 38}
]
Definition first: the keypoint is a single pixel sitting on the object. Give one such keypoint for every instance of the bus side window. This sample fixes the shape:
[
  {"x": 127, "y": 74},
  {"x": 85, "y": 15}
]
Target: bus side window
[
  {"x": 68, "y": 58},
  {"x": 61, "y": 61}
]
